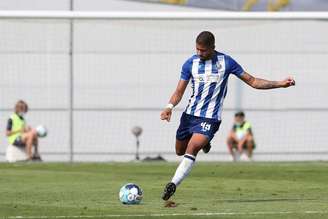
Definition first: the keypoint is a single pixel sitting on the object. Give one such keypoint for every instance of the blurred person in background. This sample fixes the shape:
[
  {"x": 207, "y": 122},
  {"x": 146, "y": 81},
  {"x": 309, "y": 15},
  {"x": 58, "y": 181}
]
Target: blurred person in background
[
  {"x": 19, "y": 134},
  {"x": 241, "y": 138}
]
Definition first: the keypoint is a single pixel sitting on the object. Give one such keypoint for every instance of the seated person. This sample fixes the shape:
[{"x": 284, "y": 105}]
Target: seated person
[
  {"x": 241, "y": 138},
  {"x": 21, "y": 135}
]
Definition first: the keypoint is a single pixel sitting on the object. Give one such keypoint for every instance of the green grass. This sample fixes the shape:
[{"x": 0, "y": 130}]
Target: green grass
[{"x": 248, "y": 190}]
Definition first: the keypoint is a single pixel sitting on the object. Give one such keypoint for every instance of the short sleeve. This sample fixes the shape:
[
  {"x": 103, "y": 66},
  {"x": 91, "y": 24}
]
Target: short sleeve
[
  {"x": 248, "y": 125},
  {"x": 186, "y": 71},
  {"x": 248, "y": 128},
  {"x": 234, "y": 67},
  {"x": 9, "y": 124}
]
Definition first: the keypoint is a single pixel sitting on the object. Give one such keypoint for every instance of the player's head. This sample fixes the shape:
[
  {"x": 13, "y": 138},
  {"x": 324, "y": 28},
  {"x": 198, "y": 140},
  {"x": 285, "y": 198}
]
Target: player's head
[
  {"x": 239, "y": 117},
  {"x": 21, "y": 107},
  {"x": 205, "y": 45}
]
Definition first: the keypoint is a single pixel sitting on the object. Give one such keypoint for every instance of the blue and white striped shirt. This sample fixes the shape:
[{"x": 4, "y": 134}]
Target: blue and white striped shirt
[{"x": 209, "y": 79}]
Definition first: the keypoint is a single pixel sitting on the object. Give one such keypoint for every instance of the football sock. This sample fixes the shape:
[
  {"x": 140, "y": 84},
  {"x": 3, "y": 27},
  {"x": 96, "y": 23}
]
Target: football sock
[{"x": 183, "y": 169}]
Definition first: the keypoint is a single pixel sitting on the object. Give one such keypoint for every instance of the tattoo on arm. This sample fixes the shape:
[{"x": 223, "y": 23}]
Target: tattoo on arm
[
  {"x": 265, "y": 84},
  {"x": 259, "y": 83}
]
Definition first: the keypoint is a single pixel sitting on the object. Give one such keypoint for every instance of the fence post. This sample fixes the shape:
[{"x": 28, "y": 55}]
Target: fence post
[
  {"x": 71, "y": 86},
  {"x": 239, "y": 94}
]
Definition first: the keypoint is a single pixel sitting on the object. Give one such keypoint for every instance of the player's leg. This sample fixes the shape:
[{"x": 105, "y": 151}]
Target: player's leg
[
  {"x": 195, "y": 144},
  {"x": 36, "y": 144},
  {"x": 36, "y": 155},
  {"x": 231, "y": 142},
  {"x": 244, "y": 152},
  {"x": 207, "y": 147},
  {"x": 181, "y": 146},
  {"x": 240, "y": 147},
  {"x": 183, "y": 135},
  {"x": 201, "y": 131},
  {"x": 250, "y": 145},
  {"x": 28, "y": 140}
]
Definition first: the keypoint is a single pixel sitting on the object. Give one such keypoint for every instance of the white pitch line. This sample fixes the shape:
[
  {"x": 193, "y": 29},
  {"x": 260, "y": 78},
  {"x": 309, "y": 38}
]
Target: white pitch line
[{"x": 170, "y": 215}]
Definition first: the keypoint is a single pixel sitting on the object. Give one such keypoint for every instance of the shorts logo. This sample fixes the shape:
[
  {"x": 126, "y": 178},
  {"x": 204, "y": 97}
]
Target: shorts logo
[{"x": 205, "y": 126}]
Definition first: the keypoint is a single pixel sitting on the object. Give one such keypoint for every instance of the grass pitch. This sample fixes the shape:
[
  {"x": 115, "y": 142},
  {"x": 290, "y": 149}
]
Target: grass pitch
[{"x": 213, "y": 190}]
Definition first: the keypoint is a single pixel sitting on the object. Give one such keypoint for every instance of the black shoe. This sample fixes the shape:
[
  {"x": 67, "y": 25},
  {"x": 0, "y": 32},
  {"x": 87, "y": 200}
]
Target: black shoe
[
  {"x": 169, "y": 190},
  {"x": 207, "y": 148},
  {"x": 36, "y": 158}
]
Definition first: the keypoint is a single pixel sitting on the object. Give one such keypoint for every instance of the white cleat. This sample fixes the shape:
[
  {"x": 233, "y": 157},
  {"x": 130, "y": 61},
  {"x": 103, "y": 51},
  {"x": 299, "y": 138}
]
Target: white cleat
[
  {"x": 232, "y": 158},
  {"x": 244, "y": 157}
]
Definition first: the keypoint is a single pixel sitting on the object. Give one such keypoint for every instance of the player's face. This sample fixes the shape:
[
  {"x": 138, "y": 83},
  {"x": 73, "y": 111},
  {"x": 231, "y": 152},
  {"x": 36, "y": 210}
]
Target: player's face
[
  {"x": 20, "y": 109},
  {"x": 203, "y": 52},
  {"x": 239, "y": 119}
]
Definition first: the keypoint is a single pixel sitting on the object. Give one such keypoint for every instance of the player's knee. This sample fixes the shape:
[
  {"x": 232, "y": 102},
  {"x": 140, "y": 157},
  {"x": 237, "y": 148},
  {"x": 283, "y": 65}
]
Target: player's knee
[
  {"x": 180, "y": 147},
  {"x": 193, "y": 148},
  {"x": 32, "y": 134},
  {"x": 250, "y": 139},
  {"x": 179, "y": 152},
  {"x": 229, "y": 140},
  {"x": 29, "y": 135}
]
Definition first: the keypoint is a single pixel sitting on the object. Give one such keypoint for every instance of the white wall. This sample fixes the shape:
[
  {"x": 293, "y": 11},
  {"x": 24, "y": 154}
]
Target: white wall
[{"x": 123, "y": 65}]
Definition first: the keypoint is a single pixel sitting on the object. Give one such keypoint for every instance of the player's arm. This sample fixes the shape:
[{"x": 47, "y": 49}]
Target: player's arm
[
  {"x": 9, "y": 131},
  {"x": 259, "y": 83},
  {"x": 174, "y": 100}
]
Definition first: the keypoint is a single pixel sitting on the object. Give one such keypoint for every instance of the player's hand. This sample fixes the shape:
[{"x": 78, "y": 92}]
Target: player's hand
[
  {"x": 166, "y": 114},
  {"x": 288, "y": 82}
]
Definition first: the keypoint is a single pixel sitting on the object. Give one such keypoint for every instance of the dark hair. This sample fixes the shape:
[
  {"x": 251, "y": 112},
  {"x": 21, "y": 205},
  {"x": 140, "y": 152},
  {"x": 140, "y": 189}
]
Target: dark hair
[
  {"x": 240, "y": 114},
  {"x": 19, "y": 104},
  {"x": 206, "y": 38}
]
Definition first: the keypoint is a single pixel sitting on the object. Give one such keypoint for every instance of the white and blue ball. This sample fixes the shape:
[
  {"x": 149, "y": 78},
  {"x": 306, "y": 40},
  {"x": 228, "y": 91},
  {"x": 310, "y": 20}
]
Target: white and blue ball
[
  {"x": 41, "y": 131},
  {"x": 130, "y": 194}
]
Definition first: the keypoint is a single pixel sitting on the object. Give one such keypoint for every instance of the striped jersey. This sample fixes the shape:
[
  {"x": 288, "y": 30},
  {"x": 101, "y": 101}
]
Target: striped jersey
[{"x": 209, "y": 79}]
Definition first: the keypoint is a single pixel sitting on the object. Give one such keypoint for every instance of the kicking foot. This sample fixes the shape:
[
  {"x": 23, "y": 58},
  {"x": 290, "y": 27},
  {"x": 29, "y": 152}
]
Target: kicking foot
[
  {"x": 169, "y": 190},
  {"x": 207, "y": 148}
]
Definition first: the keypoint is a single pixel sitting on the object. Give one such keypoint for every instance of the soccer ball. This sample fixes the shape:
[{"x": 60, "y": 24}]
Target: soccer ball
[
  {"x": 41, "y": 131},
  {"x": 130, "y": 194}
]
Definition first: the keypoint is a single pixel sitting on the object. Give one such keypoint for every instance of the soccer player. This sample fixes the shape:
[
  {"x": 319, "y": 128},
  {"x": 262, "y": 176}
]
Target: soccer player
[
  {"x": 208, "y": 71},
  {"x": 241, "y": 138},
  {"x": 21, "y": 135}
]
